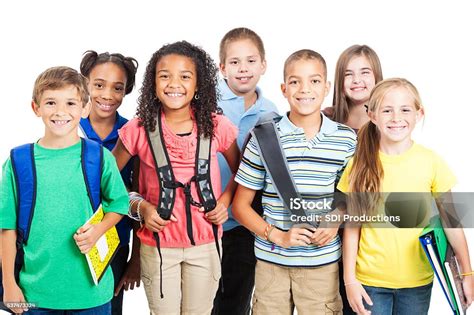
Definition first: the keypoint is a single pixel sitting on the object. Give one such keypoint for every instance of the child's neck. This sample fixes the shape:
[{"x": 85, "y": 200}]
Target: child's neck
[
  {"x": 311, "y": 124},
  {"x": 395, "y": 148},
  {"x": 357, "y": 116},
  {"x": 179, "y": 121},
  {"x": 102, "y": 126},
  {"x": 53, "y": 142}
]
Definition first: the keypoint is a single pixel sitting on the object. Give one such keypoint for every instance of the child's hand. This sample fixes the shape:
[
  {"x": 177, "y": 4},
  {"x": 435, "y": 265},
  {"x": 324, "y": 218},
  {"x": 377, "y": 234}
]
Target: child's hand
[
  {"x": 323, "y": 235},
  {"x": 153, "y": 221},
  {"x": 355, "y": 293},
  {"x": 13, "y": 294},
  {"x": 294, "y": 237},
  {"x": 131, "y": 277},
  {"x": 218, "y": 215},
  {"x": 86, "y": 237},
  {"x": 467, "y": 286}
]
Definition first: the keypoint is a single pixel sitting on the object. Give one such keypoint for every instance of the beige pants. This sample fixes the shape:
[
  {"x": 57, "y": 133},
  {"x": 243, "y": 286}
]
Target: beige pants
[
  {"x": 190, "y": 278},
  {"x": 312, "y": 290}
]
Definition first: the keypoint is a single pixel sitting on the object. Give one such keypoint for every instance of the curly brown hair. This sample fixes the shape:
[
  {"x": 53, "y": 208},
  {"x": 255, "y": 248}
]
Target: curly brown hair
[{"x": 204, "y": 107}]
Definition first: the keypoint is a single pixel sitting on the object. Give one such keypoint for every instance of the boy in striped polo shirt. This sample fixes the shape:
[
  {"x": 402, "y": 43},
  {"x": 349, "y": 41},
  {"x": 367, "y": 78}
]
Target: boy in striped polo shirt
[{"x": 297, "y": 266}]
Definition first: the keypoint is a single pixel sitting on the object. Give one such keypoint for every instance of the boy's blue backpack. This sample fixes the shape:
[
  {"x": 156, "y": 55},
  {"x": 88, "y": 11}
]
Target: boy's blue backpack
[{"x": 24, "y": 171}]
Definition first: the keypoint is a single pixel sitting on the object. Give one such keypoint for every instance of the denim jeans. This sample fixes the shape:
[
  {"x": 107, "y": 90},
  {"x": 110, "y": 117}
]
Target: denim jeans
[
  {"x": 399, "y": 301},
  {"x": 104, "y": 309},
  {"x": 238, "y": 272}
]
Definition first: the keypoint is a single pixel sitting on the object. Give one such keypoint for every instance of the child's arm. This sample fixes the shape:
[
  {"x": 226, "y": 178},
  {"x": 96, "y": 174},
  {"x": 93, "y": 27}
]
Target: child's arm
[
  {"x": 219, "y": 215},
  {"x": 121, "y": 154},
  {"x": 88, "y": 234},
  {"x": 12, "y": 292},
  {"x": 457, "y": 240},
  {"x": 131, "y": 276},
  {"x": 243, "y": 212},
  {"x": 355, "y": 291}
]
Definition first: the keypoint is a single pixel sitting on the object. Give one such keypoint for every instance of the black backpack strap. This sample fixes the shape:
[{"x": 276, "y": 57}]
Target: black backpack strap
[
  {"x": 203, "y": 174},
  {"x": 275, "y": 163},
  {"x": 204, "y": 186},
  {"x": 164, "y": 171}
]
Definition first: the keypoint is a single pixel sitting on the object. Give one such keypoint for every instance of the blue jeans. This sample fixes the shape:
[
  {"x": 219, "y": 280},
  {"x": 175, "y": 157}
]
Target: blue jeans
[
  {"x": 399, "y": 301},
  {"x": 104, "y": 309}
]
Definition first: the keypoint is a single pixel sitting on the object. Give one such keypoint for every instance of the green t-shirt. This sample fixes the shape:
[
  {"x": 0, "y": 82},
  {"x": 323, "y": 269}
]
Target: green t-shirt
[{"x": 55, "y": 274}]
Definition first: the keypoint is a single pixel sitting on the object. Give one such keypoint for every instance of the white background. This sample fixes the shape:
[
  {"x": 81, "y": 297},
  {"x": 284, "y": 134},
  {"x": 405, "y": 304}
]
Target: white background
[{"x": 429, "y": 43}]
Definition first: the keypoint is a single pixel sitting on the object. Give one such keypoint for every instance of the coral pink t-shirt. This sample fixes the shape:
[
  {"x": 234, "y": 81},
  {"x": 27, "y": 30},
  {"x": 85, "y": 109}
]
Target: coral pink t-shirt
[{"x": 182, "y": 154}]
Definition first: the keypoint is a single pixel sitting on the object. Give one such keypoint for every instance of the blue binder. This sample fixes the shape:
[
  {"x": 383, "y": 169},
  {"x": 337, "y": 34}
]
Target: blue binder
[{"x": 435, "y": 243}]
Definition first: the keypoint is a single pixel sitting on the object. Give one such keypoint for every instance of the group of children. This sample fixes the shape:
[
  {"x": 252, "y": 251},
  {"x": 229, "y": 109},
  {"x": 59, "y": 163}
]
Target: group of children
[{"x": 192, "y": 176}]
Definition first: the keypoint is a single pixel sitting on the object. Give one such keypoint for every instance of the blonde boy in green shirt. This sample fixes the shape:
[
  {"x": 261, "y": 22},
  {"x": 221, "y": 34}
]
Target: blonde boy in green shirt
[{"x": 55, "y": 275}]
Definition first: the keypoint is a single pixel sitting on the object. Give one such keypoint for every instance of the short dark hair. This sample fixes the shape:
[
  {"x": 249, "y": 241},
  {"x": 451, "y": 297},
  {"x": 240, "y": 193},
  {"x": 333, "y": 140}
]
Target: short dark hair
[
  {"x": 304, "y": 54},
  {"x": 238, "y": 34}
]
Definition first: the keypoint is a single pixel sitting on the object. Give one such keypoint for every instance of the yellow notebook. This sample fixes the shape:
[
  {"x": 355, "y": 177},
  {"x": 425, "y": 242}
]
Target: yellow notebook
[{"x": 100, "y": 256}]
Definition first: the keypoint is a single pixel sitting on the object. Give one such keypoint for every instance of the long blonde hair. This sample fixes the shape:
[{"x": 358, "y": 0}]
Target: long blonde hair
[
  {"x": 365, "y": 178},
  {"x": 340, "y": 102}
]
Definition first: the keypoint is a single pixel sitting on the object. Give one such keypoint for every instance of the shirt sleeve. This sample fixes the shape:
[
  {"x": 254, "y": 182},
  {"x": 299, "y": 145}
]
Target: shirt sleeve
[
  {"x": 132, "y": 135},
  {"x": 351, "y": 146},
  {"x": 251, "y": 173},
  {"x": 114, "y": 193},
  {"x": 8, "y": 202},
  {"x": 443, "y": 178},
  {"x": 225, "y": 132},
  {"x": 343, "y": 184}
]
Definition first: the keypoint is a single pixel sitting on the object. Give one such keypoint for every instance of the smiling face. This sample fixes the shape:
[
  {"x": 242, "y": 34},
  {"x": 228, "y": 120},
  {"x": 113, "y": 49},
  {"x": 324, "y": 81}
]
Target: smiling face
[
  {"x": 305, "y": 86},
  {"x": 175, "y": 81},
  {"x": 243, "y": 66},
  {"x": 61, "y": 111},
  {"x": 396, "y": 117},
  {"x": 359, "y": 80},
  {"x": 107, "y": 83}
]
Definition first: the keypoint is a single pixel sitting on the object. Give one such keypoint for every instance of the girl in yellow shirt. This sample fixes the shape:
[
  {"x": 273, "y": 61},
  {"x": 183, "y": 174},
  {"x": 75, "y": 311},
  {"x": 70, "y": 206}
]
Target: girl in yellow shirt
[{"x": 385, "y": 269}]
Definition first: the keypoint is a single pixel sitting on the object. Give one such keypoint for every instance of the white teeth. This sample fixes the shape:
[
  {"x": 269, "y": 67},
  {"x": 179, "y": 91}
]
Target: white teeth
[
  {"x": 174, "y": 94},
  {"x": 105, "y": 107},
  {"x": 244, "y": 79},
  {"x": 396, "y": 128},
  {"x": 305, "y": 100},
  {"x": 60, "y": 122}
]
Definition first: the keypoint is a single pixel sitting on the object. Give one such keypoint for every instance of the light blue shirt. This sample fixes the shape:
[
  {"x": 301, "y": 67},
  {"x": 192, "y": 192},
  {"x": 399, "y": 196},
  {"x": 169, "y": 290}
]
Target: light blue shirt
[{"x": 233, "y": 107}]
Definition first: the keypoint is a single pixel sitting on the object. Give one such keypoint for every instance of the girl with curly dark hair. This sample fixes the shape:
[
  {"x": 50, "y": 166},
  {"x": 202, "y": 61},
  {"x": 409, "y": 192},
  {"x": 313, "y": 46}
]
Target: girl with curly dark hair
[{"x": 178, "y": 108}]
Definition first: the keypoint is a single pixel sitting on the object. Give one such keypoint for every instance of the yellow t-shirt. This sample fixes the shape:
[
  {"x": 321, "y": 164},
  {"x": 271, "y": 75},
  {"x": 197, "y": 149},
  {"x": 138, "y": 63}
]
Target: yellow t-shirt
[{"x": 393, "y": 257}]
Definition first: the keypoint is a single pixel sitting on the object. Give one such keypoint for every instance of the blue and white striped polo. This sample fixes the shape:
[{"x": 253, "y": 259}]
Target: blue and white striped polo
[{"x": 316, "y": 166}]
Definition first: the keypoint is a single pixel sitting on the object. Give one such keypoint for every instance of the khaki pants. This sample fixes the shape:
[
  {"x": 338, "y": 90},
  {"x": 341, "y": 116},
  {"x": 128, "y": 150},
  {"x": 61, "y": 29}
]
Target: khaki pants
[
  {"x": 312, "y": 290},
  {"x": 190, "y": 278}
]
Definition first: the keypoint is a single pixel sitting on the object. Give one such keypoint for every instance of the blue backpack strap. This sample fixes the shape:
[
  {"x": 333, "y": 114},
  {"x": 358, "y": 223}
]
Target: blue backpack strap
[
  {"x": 24, "y": 170},
  {"x": 92, "y": 157}
]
